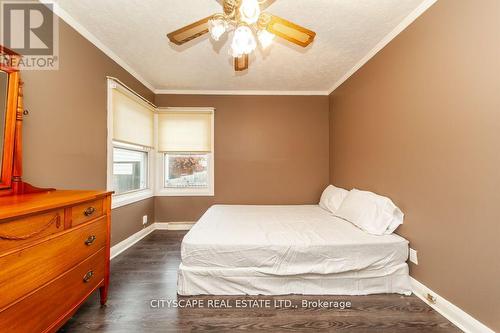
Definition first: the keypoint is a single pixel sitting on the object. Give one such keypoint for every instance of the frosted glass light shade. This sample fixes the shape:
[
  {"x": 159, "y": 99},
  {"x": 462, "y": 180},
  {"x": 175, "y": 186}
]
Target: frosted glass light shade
[
  {"x": 217, "y": 26},
  {"x": 265, "y": 38},
  {"x": 249, "y": 11},
  {"x": 243, "y": 41}
]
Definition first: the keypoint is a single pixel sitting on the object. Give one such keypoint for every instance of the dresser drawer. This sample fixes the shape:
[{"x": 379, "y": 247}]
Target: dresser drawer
[
  {"x": 40, "y": 310},
  {"x": 87, "y": 211},
  {"x": 27, "y": 269},
  {"x": 17, "y": 233}
]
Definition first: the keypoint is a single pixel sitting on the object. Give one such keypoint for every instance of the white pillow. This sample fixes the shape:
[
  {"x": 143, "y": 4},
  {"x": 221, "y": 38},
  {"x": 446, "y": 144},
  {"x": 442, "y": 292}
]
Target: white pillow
[
  {"x": 373, "y": 213},
  {"x": 332, "y": 197}
]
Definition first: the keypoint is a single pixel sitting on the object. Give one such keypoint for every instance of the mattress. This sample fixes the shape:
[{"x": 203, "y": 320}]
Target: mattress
[{"x": 286, "y": 241}]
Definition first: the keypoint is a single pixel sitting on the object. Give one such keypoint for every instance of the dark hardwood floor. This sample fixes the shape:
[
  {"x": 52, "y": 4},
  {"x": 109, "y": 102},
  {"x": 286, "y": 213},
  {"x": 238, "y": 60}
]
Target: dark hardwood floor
[{"x": 148, "y": 271}]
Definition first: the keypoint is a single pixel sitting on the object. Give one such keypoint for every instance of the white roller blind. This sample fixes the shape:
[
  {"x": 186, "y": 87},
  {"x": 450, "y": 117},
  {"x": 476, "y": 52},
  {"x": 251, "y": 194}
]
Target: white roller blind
[
  {"x": 133, "y": 121},
  {"x": 185, "y": 131}
]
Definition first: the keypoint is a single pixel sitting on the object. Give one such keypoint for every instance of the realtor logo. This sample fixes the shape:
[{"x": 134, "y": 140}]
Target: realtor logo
[{"x": 30, "y": 28}]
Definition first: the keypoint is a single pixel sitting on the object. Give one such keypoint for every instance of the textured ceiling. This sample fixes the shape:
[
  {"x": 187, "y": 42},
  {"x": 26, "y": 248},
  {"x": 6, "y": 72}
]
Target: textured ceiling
[{"x": 134, "y": 30}]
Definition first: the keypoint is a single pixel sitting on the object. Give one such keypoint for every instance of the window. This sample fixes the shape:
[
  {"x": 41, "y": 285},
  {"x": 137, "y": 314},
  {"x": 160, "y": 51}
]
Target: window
[
  {"x": 151, "y": 151},
  {"x": 130, "y": 145},
  {"x": 130, "y": 170},
  {"x": 186, "y": 171},
  {"x": 185, "y": 144}
]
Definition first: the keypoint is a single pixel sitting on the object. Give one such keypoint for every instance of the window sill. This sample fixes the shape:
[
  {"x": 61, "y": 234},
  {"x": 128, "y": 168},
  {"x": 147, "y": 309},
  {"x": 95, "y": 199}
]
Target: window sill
[
  {"x": 124, "y": 199},
  {"x": 188, "y": 192}
]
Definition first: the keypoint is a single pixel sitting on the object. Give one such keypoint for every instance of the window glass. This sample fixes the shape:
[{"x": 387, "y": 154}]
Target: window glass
[
  {"x": 129, "y": 170},
  {"x": 186, "y": 170}
]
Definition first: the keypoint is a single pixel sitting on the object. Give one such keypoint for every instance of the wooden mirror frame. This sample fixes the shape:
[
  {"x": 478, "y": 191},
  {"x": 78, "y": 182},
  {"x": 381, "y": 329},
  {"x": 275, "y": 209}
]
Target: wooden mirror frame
[
  {"x": 13, "y": 99},
  {"x": 12, "y": 161}
]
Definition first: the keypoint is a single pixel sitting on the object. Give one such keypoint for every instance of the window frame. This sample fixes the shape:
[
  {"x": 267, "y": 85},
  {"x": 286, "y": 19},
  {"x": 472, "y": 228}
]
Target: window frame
[
  {"x": 160, "y": 189},
  {"x": 122, "y": 199}
]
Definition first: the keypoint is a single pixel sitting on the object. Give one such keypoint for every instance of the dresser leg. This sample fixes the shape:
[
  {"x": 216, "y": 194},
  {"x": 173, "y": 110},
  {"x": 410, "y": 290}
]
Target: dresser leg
[{"x": 103, "y": 291}]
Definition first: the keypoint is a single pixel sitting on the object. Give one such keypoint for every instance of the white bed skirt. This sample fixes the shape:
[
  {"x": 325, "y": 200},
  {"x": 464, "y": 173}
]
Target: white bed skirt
[{"x": 248, "y": 281}]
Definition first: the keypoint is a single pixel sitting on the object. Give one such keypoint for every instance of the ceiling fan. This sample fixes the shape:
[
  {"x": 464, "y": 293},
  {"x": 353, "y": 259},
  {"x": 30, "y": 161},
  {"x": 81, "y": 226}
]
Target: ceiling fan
[{"x": 247, "y": 20}]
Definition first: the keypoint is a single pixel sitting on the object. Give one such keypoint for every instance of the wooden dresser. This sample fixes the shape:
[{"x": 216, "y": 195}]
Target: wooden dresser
[
  {"x": 54, "y": 252},
  {"x": 54, "y": 245}
]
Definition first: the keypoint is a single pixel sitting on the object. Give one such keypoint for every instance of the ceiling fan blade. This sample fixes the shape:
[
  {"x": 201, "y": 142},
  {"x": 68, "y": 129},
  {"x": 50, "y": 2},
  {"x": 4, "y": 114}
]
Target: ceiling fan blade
[
  {"x": 241, "y": 63},
  {"x": 265, "y": 3},
  {"x": 290, "y": 31},
  {"x": 189, "y": 32}
]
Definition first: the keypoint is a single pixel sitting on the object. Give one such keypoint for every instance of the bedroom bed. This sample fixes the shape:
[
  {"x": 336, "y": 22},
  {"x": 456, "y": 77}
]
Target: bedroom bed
[{"x": 279, "y": 250}]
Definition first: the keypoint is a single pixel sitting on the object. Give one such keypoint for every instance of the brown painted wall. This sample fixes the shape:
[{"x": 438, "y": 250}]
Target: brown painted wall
[
  {"x": 65, "y": 132},
  {"x": 268, "y": 150},
  {"x": 127, "y": 220},
  {"x": 421, "y": 123}
]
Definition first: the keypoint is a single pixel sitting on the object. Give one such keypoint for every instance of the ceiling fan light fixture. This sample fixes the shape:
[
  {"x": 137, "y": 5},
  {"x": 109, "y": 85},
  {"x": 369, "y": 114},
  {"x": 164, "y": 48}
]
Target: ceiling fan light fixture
[
  {"x": 250, "y": 27},
  {"x": 249, "y": 11},
  {"x": 265, "y": 38},
  {"x": 243, "y": 41},
  {"x": 217, "y": 26}
]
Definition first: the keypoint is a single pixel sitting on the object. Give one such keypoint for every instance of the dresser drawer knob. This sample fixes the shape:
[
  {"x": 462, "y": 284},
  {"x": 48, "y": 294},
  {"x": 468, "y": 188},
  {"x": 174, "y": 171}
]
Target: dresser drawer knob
[
  {"x": 89, "y": 211},
  {"x": 88, "y": 276},
  {"x": 90, "y": 240}
]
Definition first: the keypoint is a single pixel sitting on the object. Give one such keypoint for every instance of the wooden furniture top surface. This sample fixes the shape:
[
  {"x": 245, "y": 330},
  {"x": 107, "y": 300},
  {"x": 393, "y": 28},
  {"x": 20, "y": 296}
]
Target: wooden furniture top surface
[{"x": 25, "y": 204}]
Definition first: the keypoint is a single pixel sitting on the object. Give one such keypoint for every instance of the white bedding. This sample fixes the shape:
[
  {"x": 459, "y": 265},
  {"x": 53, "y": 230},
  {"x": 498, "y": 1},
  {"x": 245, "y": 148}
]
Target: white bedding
[
  {"x": 277, "y": 250},
  {"x": 287, "y": 240},
  {"x": 247, "y": 281}
]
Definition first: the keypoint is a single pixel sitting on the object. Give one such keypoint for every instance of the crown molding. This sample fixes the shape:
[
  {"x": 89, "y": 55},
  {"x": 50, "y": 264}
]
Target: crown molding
[
  {"x": 62, "y": 14},
  {"x": 386, "y": 40},
  {"x": 241, "y": 92}
]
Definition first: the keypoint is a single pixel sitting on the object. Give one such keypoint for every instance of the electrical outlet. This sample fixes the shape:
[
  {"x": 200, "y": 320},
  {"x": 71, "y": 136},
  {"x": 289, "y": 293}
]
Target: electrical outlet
[
  {"x": 413, "y": 256},
  {"x": 144, "y": 219}
]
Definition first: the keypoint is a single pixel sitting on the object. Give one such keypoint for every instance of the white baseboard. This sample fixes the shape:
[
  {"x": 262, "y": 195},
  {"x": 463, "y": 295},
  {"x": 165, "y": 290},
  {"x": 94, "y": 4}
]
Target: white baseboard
[
  {"x": 457, "y": 316},
  {"x": 161, "y": 226},
  {"x": 130, "y": 241},
  {"x": 173, "y": 225},
  {"x": 178, "y": 225}
]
